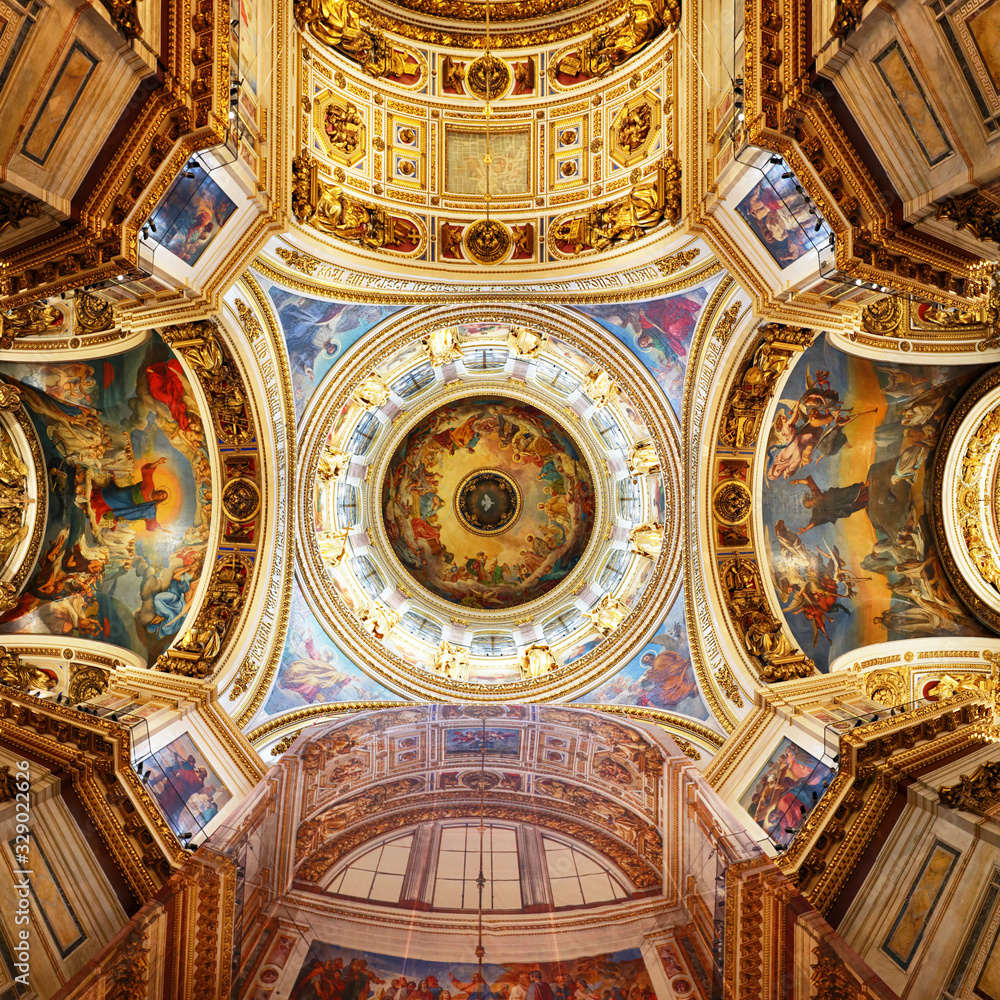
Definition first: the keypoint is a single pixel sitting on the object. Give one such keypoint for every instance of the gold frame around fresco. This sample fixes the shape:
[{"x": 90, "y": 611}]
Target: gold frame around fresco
[
  {"x": 326, "y": 99},
  {"x": 590, "y": 669},
  {"x": 593, "y": 557}
]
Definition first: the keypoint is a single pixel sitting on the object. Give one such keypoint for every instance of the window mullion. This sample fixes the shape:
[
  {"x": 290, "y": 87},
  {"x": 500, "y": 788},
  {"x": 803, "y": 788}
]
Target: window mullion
[
  {"x": 421, "y": 866},
  {"x": 535, "y": 889}
]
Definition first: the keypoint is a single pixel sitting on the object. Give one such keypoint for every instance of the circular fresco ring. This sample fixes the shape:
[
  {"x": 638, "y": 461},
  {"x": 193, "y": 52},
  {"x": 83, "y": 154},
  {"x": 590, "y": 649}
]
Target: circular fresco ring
[
  {"x": 583, "y": 335},
  {"x": 551, "y": 548}
]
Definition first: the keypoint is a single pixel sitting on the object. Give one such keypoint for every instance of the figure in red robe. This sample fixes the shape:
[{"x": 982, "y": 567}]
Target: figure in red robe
[{"x": 166, "y": 385}]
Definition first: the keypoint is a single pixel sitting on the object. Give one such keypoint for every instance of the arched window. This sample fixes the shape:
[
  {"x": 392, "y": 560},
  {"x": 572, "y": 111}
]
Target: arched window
[
  {"x": 377, "y": 874},
  {"x": 576, "y": 878},
  {"x": 436, "y": 865},
  {"x": 458, "y": 866}
]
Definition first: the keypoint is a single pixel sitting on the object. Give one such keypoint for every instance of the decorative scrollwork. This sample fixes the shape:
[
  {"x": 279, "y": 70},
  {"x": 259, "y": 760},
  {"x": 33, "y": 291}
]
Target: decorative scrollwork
[
  {"x": 628, "y": 219},
  {"x": 885, "y": 317},
  {"x": 732, "y": 502},
  {"x": 92, "y": 314},
  {"x": 756, "y": 381},
  {"x": 13, "y": 496},
  {"x": 673, "y": 263},
  {"x": 241, "y": 499},
  {"x": 15, "y": 207},
  {"x": 491, "y": 68},
  {"x": 126, "y": 16},
  {"x": 300, "y": 261},
  {"x": 87, "y": 683},
  {"x": 976, "y": 793},
  {"x": 846, "y": 18},
  {"x": 974, "y": 211},
  {"x": 284, "y": 743},
  {"x": 195, "y": 654},
  {"x": 198, "y": 344},
  {"x": 762, "y": 634}
]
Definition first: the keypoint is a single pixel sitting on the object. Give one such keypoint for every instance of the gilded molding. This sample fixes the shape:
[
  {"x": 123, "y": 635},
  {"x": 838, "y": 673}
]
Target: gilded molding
[
  {"x": 874, "y": 759},
  {"x": 762, "y": 634},
  {"x": 975, "y": 211},
  {"x": 789, "y": 117},
  {"x": 95, "y": 753},
  {"x": 721, "y": 680},
  {"x": 316, "y": 713},
  {"x": 15, "y": 208},
  {"x": 29, "y": 521},
  {"x": 973, "y": 508},
  {"x": 202, "y": 644},
  {"x": 266, "y": 671},
  {"x": 356, "y": 287}
]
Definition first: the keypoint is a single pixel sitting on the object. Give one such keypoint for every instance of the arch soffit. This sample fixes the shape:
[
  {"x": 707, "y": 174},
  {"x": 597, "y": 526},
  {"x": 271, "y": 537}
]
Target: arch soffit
[{"x": 573, "y": 771}]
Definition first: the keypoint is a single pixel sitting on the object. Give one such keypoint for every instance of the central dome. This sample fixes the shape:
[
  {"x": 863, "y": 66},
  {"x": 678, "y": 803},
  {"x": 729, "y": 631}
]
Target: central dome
[{"x": 488, "y": 502}]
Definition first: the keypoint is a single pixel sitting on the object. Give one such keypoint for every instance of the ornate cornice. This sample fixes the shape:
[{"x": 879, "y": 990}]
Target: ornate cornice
[
  {"x": 287, "y": 457},
  {"x": 733, "y": 475},
  {"x": 304, "y": 273},
  {"x": 873, "y": 760},
  {"x": 978, "y": 792},
  {"x": 314, "y": 714},
  {"x": 785, "y": 115},
  {"x": 96, "y": 753},
  {"x": 966, "y": 520}
]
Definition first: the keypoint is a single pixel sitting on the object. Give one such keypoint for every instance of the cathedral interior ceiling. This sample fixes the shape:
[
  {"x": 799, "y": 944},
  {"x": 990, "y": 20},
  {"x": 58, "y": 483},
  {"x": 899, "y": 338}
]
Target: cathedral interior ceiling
[
  {"x": 692, "y": 426},
  {"x": 533, "y": 769}
]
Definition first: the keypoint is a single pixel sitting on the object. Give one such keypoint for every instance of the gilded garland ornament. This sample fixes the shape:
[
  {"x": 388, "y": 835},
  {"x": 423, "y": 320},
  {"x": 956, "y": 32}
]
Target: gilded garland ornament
[
  {"x": 732, "y": 502},
  {"x": 499, "y": 77},
  {"x": 488, "y": 241}
]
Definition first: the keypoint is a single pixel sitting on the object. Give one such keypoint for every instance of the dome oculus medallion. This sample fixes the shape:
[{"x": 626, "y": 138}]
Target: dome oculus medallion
[{"x": 488, "y": 502}]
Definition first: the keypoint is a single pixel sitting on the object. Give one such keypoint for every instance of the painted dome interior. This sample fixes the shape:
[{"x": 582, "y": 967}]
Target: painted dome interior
[{"x": 456, "y": 469}]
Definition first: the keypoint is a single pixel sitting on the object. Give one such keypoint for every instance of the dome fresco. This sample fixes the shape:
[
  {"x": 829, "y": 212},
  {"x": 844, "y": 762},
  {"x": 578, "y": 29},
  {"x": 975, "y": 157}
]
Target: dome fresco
[{"x": 463, "y": 465}]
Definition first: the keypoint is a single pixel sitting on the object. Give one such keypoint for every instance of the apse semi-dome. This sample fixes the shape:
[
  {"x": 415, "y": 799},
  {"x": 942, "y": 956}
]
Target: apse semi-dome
[{"x": 488, "y": 502}]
